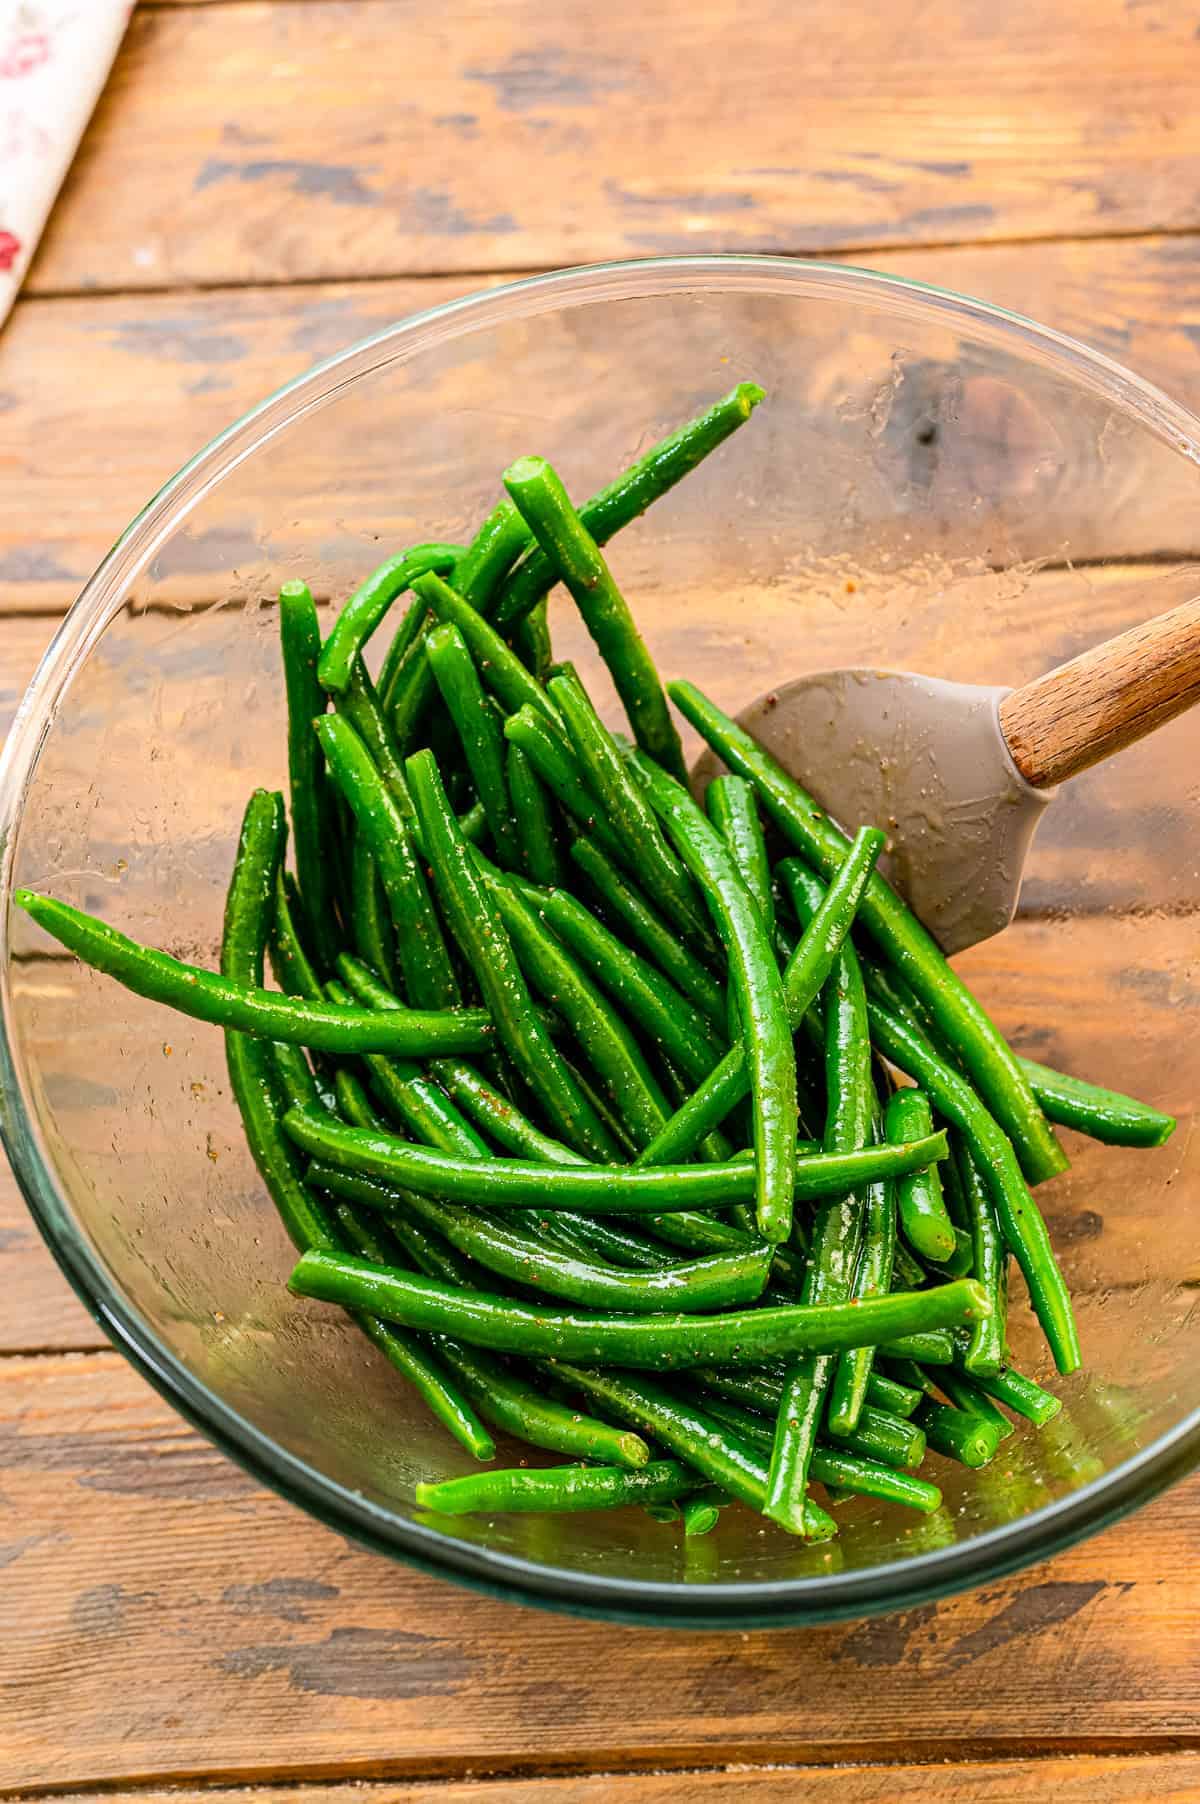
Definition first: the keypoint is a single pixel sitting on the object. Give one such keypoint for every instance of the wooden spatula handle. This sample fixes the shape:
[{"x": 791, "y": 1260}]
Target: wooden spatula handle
[{"x": 1105, "y": 699}]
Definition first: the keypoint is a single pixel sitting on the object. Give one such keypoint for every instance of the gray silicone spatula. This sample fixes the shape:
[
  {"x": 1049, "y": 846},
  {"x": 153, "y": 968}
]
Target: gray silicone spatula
[{"x": 959, "y": 776}]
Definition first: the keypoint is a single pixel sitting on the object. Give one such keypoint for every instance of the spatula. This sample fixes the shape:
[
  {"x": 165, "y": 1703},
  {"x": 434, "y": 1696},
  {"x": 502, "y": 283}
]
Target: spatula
[{"x": 958, "y": 776}]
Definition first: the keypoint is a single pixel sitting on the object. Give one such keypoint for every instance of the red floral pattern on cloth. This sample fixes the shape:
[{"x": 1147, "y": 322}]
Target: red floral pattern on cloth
[
  {"x": 23, "y": 54},
  {"x": 55, "y": 56}
]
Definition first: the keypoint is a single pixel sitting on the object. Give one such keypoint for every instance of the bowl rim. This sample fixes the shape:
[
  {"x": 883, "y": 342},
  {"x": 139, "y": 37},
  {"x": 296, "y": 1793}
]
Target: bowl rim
[{"x": 741, "y": 1604}]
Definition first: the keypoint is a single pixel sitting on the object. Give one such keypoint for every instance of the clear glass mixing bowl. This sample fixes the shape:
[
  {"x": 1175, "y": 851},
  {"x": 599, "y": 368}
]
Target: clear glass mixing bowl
[{"x": 932, "y": 484}]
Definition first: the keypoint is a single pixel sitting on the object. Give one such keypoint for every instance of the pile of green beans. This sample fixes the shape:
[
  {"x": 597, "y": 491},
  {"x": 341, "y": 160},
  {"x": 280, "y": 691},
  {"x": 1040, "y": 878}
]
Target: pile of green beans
[{"x": 656, "y": 1135}]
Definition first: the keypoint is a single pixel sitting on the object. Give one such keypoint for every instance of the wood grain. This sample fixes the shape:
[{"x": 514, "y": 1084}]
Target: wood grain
[
  {"x": 165, "y": 373},
  {"x": 1075, "y": 1779},
  {"x": 523, "y": 135},
  {"x": 1104, "y": 700},
  {"x": 181, "y": 1623}
]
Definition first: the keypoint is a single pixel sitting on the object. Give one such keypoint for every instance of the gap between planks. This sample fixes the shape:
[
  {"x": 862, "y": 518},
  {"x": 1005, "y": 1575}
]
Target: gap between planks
[
  {"x": 508, "y": 272},
  {"x": 1092, "y": 1771}
]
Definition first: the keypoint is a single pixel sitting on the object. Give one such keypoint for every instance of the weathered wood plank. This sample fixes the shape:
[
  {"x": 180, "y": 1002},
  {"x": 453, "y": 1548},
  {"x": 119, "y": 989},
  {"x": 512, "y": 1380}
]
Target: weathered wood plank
[
  {"x": 1075, "y": 1779},
  {"x": 167, "y": 372},
  {"x": 174, "y": 1621},
  {"x": 40, "y": 1311},
  {"x": 521, "y": 136}
]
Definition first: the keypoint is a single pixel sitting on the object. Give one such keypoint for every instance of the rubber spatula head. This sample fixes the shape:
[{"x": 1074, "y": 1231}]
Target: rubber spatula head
[{"x": 959, "y": 776}]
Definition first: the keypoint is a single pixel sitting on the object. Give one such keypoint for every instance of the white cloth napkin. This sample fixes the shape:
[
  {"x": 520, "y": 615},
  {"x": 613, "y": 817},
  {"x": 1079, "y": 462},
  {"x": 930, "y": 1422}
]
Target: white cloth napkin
[{"x": 55, "y": 56}]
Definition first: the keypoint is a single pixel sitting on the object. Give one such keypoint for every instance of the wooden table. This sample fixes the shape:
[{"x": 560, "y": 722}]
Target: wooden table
[{"x": 262, "y": 184}]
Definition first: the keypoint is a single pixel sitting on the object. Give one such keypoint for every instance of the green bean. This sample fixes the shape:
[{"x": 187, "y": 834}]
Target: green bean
[
  {"x": 425, "y": 1109},
  {"x": 961, "y": 1262},
  {"x": 607, "y": 773},
  {"x": 957, "y": 1434},
  {"x": 922, "y": 1210},
  {"x": 985, "y": 1353},
  {"x": 908, "y": 1372},
  {"x": 256, "y": 1070},
  {"x": 370, "y": 918},
  {"x": 955, "y": 1200},
  {"x": 300, "y": 644},
  {"x": 499, "y": 1117},
  {"x": 413, "y": 1361},
  {"x": 850, "y": 1384},
  {"x": 700, "y": 1233},
  {"x": 806, "y": 972},
  {"x": 296, "y": 1078},
  {"x": 480, "y": 933},
  {"x": 428, "y": 1252},
  {"x": 361, "y": 707},
  {"x": 544, "y": 504},
  {"x": 420, "y": 948},
  {"x": 907, "y": 1271},
  {"x": 500, "y": 669},
  {"x": 895, "y": 929},
  {"x": 839, "y": 1468},
  {"x": 558, "y": 769},
  {"x": 715, "y": 1146},
  {"x": 930, "y": 1348},
  {"x": 701, "y": 1514},
  {"x": 1069, "y": 1101},
  {"x": 837, "y": 1231},
  {"x": 611, "y": 1049},
  {"x": 489, "y": 1109},
  {"x": 475, "y": 576},
  {"x": 1105, "y": 1115},
  {"x": 651, "y": 1000},
  {"x": 879, "y": 1433},
  {"x": 594, "y": 1189},
  {"x": 532, "y": 642},
  {"x": 890, "y": 1395},
  {"x": 622, "y": 500},
  {"x": 478, "y": 731},
  {"x": 602, "y": 1107},
  {"x": 264, "y": 1013},
  {"x": 651, "y": 1342},
  {"x": 717, "y": 1281},
  {"x": 1021, "y": 1394},
  {"x": 368, "y": 605},
  {"x": 579, "y": 1233},
  {"x": 290, "y": 962},
  {"x": 417, "y": 1102},
  {"x": 760, "y": 1390},
  {"x": 966, "y": 1395},
  {"x": 758, "y": 988},
  {"x": 406, "y": 643},
  {"x": 540, "y": 858},
  {"x": 690, "y": 1431},
  {"x": 888, "y": 987},
  {"x": 500, "y": 541},
  {"x": 353, "y": 1103},
  {"x": 510, "y": 1402},
  {"x": 1019, "y": 1216},
  {"x": 502, "y": 1395},
  {"x": 733, "y": 811},
  {"x": 893, "y": 1440},
  {"x": 253, "y": 1073},
  {"x": 558, "y": 1488},
  {"x": 609, "y": 1240},
  {"x": 624, "y": 900}
]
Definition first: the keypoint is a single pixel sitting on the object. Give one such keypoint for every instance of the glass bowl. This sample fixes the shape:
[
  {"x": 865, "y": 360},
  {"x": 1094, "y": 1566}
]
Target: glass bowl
[{"x": 932, "y": 484}]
